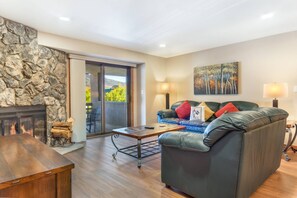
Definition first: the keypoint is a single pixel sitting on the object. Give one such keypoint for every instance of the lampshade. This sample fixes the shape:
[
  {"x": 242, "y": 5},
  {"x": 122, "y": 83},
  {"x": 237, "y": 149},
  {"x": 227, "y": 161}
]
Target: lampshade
[
  {"x": 295, "y": 89},
  {"x": 275, "y": 90},
  {"x": 164, "y": 87}
]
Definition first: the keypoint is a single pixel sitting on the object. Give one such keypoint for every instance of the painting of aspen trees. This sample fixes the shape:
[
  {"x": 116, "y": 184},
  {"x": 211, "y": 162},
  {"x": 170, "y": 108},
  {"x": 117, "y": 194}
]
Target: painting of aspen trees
[{"x": 216, "y": 79}]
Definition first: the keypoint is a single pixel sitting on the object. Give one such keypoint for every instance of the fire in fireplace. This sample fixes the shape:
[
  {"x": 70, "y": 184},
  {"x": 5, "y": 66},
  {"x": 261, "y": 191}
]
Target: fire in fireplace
[
  {"x": 26, "y": 125},
  {"x": 24, "y": 119}
]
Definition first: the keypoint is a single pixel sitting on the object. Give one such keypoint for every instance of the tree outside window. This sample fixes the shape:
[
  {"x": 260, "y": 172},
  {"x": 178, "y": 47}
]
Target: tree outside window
[{"x": 116, "y": 94}]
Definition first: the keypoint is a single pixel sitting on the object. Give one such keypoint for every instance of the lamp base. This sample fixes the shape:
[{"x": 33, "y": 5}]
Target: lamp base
[
  {"x": 275, "y": 103},
  {"x": 167, "y": 100}
]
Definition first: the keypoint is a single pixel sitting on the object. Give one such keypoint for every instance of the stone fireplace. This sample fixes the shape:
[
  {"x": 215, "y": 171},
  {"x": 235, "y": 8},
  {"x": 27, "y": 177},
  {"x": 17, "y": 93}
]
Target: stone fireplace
[{"x": 30, "y": 74}]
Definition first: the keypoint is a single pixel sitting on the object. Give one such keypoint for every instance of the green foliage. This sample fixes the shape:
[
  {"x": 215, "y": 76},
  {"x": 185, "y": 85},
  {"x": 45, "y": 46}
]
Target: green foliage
[
  {"x": 88, "y": 95},
  {"x": 118, "y": 94}
]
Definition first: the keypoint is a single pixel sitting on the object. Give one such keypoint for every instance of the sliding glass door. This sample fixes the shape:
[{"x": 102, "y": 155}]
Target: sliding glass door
[
  {"x": 93, "y": 99},
  {"x": 107, "y": 97},
  {"x": 116, "y": 91}
]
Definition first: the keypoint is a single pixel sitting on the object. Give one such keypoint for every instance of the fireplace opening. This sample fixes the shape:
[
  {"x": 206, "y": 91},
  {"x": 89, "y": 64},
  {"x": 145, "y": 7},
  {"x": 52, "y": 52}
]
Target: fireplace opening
[
  {"x": 26, "y": 125},
  {"x": 24, "y": 120}
]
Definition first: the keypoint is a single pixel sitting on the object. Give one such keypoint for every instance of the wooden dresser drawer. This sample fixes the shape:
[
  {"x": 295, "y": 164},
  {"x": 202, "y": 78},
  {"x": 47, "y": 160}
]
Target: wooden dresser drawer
[
  {"x": 43, "y": 187},
  {"x": 31, "y": 169}
]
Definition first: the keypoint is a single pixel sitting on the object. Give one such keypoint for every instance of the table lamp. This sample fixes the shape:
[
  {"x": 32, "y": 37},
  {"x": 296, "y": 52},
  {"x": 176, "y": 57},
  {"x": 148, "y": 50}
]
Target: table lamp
[
  {"x": 275, "y": 90},
  {"x": 165, "y": 89}
]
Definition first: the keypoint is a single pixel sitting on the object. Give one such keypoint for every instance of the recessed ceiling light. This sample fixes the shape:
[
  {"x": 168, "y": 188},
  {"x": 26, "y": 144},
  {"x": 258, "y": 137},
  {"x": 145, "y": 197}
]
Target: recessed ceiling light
[
  {"x": 267, "y": 15},
  {"x": 162, "y": 45},
  {"x": 64, "y": 18}
]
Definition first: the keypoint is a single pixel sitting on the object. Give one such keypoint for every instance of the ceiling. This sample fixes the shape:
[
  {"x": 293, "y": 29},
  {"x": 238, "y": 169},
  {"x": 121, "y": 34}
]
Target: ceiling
[{"x": 142, "y": 25}]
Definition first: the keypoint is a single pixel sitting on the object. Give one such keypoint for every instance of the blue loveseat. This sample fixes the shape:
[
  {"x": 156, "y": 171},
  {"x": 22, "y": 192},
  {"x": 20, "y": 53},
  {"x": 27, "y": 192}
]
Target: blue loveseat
[{"x": 169, "y": 116}]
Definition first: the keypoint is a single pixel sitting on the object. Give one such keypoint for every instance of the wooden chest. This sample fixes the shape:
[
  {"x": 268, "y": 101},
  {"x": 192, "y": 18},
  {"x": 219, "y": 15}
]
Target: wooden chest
[{"x": 30, "y": 168}]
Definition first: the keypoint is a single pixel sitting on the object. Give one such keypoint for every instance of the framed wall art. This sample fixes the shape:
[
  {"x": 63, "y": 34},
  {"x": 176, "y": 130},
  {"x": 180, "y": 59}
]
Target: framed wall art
[{"x": 219, "y": 79}]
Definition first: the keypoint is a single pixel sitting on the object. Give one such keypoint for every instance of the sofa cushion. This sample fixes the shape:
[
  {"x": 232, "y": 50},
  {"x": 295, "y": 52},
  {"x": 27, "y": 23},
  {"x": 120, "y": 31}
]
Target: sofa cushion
[
  {"x": 185, "y": 141},
  {"x": 194, "y": 125},
  {"x": 167, "y": 113},
  {"x": 171, "y": 120},
  {"x": 207, "y": 111},
  {"x": 242, "y": 105},
  {"x": 177, "y": 104},
  {"x": 226, "y": 109},
  {"x": 184, "y": 110},
  {"x": 197, "y": 113},
  {"x": 214, "y": 106},
  {"x": 194, "y": 129},
  {"x": 236, "y": 121}
]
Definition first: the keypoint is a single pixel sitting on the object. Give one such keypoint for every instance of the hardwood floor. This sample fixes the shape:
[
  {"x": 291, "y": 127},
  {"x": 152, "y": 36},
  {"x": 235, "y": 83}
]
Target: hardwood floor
[{"x": 96, "y": 175}]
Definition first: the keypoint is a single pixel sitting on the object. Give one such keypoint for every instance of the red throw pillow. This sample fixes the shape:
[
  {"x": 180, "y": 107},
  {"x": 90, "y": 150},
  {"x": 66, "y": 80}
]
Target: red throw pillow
[
  {"x": 225, "y": 109},
  {"x": 183, "y": 111}
]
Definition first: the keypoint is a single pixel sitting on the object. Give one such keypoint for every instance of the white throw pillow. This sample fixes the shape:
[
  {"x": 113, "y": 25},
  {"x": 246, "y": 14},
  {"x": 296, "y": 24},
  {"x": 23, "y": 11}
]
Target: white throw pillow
[{"x": 197, "y": 113}]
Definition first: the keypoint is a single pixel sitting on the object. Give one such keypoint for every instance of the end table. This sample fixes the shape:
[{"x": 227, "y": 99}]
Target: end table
[{"x": 289, "y": 128}]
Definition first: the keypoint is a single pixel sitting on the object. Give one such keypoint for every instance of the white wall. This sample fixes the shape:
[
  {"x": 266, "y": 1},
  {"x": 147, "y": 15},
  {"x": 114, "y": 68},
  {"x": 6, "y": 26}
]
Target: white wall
[
  {"x": 152, "y": 70},
  {"x": 270, "y": 59},
  {"x": 78, "y": 102},
  {"x": 266, "y": 60}
]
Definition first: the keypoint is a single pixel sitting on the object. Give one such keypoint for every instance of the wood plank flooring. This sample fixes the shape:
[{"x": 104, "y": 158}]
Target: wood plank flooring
[{"x": 96, "y": 175}]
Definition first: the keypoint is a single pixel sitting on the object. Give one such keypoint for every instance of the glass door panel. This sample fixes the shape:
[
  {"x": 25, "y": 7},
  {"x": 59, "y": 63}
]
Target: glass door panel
[
  {"x": 116, "y": 97},
  {"x": 93, "y": 99}
]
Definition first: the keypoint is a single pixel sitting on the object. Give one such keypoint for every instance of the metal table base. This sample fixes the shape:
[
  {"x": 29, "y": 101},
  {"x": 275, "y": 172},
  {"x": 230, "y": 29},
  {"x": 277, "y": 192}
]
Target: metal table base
[
  {"x": 139, "y": 150},
  {"x": 290, "y": 142}
]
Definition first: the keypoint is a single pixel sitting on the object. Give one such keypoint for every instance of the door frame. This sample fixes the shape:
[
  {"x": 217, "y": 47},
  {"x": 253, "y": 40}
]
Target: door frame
[{"x": 130, "y": 101}]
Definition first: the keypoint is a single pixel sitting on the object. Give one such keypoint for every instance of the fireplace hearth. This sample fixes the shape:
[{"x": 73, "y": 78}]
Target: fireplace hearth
[{"x": 24, "y": 119}]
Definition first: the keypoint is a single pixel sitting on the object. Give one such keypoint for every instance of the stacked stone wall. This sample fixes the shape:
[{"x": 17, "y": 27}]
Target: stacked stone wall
[{"x": 31, "y": 74}]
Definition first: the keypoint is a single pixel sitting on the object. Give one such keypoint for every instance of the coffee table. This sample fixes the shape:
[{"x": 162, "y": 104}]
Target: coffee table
[{"x": 142, "y": 149}]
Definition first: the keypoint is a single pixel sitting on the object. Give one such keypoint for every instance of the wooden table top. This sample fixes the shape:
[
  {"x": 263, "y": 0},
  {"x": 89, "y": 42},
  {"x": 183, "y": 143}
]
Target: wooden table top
[
  {"x": 141, "y": 132},
  {"x": 22, "y": 156}
]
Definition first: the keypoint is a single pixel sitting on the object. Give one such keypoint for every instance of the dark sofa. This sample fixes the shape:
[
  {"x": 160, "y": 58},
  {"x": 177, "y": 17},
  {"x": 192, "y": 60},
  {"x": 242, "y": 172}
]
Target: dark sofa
[
  {"x": 170, "y": 117},
  {"x": 236, "y": 153}
]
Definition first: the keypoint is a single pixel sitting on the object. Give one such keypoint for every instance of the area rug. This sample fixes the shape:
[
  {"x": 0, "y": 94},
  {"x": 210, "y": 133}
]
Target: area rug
[{"x": 68, "y": 149}]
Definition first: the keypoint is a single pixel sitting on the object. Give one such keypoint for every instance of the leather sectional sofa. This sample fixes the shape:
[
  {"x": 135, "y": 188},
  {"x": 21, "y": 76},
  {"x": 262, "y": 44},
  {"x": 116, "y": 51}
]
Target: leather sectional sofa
[
  {"x": 232, "y": 157},
  {"x": 169, "y": 116}
]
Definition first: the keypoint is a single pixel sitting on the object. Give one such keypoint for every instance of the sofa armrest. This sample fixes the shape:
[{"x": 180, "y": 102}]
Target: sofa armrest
[
  {"x": 274, "y": 114},
  {"x": 167, "y": 113},
  {"x": 184, "y": 141},
  {"x": 243, "y": 121}
]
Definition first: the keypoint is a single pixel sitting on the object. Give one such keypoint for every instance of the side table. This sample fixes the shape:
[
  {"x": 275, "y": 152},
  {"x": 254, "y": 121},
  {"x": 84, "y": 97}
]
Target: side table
[{"x": 290, "y": 126}]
